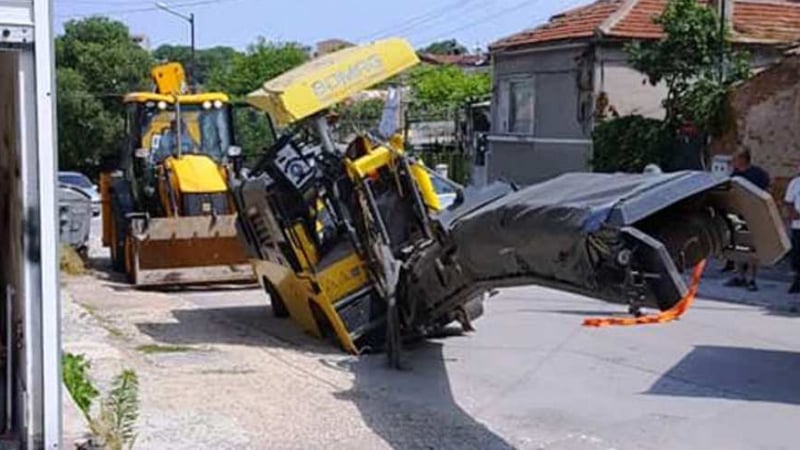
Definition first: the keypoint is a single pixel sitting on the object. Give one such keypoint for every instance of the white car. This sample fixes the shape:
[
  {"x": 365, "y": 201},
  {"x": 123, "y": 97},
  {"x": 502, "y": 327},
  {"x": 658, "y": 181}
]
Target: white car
[
  {"x": 82, "y": 182},
  {"x": 447, "y": 194}
]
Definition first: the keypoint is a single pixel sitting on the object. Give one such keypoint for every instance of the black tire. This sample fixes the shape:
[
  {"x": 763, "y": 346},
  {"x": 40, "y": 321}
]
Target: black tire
[
  {"x": 279, "y": 309},
  {"x": 118, "y": 256},
  {"x": 696, "y": 236},
  {"x": 121, "y": 204}
]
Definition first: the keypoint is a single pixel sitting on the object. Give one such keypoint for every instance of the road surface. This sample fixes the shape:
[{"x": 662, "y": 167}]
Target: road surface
[{"x": 725, "y": 376}]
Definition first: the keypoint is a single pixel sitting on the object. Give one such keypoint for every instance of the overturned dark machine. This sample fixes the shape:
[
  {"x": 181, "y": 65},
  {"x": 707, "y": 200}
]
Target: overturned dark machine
[{"x": 350, "y": 240}]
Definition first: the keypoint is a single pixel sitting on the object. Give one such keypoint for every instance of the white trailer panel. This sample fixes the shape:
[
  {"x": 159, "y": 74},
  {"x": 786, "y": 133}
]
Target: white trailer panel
[{"x": 31, "y": 394}]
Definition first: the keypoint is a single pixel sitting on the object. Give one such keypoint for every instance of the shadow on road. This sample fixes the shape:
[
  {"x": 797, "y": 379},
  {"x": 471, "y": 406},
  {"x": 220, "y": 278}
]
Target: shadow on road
[
  {"x": 734, "y": 373},
  {"x": 413, "y": 408},
  {"x": 252, "y": 325}
]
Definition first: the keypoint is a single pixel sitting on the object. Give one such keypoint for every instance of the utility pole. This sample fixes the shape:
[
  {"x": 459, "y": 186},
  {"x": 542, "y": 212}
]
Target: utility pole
[
  {"x": 722, "y": 28},
  {"x": 189, "y": 18}
]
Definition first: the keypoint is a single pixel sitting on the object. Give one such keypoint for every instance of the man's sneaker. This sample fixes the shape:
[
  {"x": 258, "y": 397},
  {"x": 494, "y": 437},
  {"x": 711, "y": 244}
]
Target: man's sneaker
[
  {"x": 795, "y": 288},
  {"x": 735, "y": 282},
  {"x": 752, "y": 286}
]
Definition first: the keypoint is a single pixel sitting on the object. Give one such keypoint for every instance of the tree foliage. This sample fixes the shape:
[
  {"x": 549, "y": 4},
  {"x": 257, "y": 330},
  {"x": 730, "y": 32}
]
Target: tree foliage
[
  {"x": 630, "y": 143},
  {"x": 441, "y": 87},
  {"x": 97, "y": 62},
  {"x": 262, "y": 61},
  {"x": 690, "y": 62},
  {"x": 103, "y": 52},
  {"x": 446, "y": 47},
  {"x": 86, "y": 129},
  {"x": 698, "y": 66}
]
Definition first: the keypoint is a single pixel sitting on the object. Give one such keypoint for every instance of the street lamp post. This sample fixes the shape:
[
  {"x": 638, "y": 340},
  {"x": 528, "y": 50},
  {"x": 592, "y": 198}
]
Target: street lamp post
[{"x": 189, "y": 18}]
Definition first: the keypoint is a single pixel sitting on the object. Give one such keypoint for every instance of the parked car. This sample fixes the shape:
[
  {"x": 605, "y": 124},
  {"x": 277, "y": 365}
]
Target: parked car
[
  {"x": 447, "y": 193},
  {"x": 82, "y": 182}
]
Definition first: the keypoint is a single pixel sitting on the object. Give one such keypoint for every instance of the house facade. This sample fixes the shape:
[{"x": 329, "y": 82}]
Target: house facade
[{"x": 553, "y": 83}]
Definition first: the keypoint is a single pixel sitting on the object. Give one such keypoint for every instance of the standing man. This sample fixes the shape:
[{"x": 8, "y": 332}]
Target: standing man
[
  {"x": 792, "y": 203},
  {"x": 743, "y": 167}
]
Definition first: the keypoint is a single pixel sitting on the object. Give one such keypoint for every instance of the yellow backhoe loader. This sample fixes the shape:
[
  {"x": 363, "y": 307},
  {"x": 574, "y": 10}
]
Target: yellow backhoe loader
[
  {"x": 168, "y": 217},
  {"x": 349, "y": 240}
]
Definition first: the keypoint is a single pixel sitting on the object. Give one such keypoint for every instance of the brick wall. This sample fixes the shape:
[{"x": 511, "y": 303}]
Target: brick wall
[{"x": 765, "y": 113}]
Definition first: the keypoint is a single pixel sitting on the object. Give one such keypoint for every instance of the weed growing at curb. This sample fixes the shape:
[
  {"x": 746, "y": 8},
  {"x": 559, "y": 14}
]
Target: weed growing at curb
[
  {"x": 150, "y": 349},
  {"x": 76, "y": 378}
]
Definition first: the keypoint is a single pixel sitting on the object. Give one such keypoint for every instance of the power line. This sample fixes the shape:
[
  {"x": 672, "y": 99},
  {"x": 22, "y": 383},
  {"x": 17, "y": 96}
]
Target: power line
[
  {"x": 141, "y": 10},
  {"x": 465, "y": 5},
  {"x": 431, "y": 13},
  {"x": 496, "y": 15}
]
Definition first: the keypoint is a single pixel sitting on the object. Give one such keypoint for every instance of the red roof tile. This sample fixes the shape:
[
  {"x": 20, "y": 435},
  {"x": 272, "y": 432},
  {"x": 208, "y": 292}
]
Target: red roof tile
[
  {"x": 756, "y": 21},
  {"x": 577, "y": 23},
  {"x": 761, "y": 21}
]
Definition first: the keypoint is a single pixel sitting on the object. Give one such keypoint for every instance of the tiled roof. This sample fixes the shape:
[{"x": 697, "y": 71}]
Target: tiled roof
[
  {"x": 762, "y": 21},
  {"x": 754, "y": 21},
  {"x": 576, "y": 23}
]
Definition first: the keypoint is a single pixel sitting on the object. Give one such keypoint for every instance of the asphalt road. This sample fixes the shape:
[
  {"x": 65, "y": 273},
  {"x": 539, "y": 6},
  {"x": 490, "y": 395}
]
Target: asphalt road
[{"x": 725, "y": 376}]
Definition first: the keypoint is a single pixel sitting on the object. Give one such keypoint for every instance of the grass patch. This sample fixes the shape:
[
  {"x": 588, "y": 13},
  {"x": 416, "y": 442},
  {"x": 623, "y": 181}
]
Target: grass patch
[
  {"x": 150, "y": 349},
  {"x": 71, "y": 262}
]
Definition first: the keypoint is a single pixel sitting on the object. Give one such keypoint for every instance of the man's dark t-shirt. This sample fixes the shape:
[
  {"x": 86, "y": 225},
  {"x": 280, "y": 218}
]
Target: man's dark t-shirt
[{"x": 755, "y": 175}]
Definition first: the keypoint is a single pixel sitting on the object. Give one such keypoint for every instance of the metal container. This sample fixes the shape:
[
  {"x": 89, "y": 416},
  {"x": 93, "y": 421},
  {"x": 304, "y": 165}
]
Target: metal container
[{"x": 74, "y": 217}]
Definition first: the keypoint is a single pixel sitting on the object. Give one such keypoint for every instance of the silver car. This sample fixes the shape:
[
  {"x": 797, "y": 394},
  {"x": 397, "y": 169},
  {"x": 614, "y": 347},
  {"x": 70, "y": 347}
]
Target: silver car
[{"x": 82, "y": 182}]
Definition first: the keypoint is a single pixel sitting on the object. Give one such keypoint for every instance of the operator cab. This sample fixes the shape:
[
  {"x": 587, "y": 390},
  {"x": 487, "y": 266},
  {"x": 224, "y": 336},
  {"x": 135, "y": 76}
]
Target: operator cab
[
  {"x": 202, "y": 123},
  {"x": 181, "y": 147}
]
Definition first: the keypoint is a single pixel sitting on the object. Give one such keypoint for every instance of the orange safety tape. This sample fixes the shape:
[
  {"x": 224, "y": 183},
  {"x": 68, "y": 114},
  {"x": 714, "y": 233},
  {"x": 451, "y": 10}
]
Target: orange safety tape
[{"x": 663, "y": 317}]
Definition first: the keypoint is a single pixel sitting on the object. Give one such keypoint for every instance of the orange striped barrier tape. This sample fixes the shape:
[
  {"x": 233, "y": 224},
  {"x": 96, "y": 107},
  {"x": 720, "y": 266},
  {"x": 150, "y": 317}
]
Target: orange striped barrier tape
[{"x": 663, "y": 317}]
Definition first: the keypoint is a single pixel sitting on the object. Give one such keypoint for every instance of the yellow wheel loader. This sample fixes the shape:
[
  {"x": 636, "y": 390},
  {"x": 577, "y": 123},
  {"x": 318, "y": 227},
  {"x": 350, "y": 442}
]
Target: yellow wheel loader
[
  {"x": 349, "y": 241},
  {"x": 168, "y": 216}
]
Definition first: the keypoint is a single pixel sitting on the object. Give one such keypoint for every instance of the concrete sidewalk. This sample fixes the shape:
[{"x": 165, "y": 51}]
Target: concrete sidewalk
[{"x": 773, "y": 290}]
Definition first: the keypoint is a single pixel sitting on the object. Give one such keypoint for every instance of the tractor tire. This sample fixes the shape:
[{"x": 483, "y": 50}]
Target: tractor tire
[
  {"x": 121, "y": 204},
  {"x": 279, "y": 309},
  {"x": 118, "y": 256}
]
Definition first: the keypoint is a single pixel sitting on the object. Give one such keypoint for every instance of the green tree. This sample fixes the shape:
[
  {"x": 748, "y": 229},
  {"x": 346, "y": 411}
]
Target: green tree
[
  {"x": 435, "y": 88},
  {"x": 262, "y": 61},
  {"x": 630, "y": 143},
  {"x": 86, "y": 130},
  {"x": 97, "y": 63},
  {"x": 447, "y": 47},
  {"x": 689, "y": 60},
  {"x": 104, "y": 53}
]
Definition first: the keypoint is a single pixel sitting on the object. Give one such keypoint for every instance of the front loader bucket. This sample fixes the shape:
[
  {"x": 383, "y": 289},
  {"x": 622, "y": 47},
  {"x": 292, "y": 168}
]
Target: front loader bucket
[{"x": 187, "y": 250}]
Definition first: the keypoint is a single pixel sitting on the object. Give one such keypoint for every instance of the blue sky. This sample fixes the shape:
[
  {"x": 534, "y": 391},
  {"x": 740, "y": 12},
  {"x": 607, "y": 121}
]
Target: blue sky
[{"x": 238, "y": 22}]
